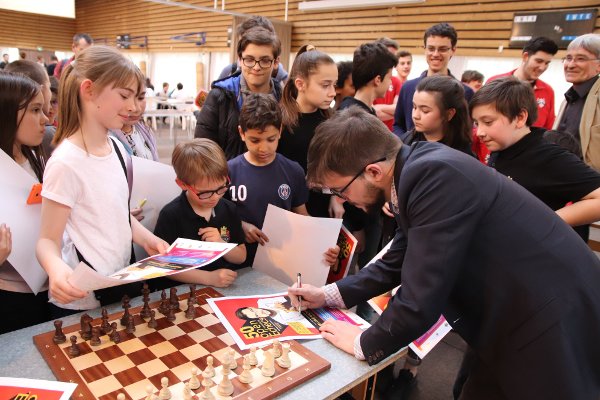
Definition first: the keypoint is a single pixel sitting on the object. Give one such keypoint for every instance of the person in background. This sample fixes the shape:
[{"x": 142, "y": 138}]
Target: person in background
[
  {"x": 5, "y": 61},
  {"x": 343, "y": 87},
  {"x": 52, "y": 118},
  {"x": 22, "y": 123},
  {"x": 404, "y": 65},
  {"x": 473, "y": 79},
  {"x": 50, "y": 67},
  {"x": 81, "y": 41},
  {"x": 279, "y": 74},
  {"x": 386, "y": 106},
  {"x": 40, "y": 60},
  {"x": 579, "y": 114},
  {"x": 536, "y": 57},
  {"x": 22, "y": 55}
]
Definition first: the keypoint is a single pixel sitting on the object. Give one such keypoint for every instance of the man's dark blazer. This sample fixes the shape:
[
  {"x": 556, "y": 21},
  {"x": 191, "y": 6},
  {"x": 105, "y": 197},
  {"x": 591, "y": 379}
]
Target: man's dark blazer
[{"x": 510, "y": 276}]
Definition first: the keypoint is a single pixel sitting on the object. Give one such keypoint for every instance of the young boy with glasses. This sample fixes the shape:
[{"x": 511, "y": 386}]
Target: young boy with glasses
[
  {"x": 258, "y": 52},
  {"x": 261, "y": 176},
  {"x": 201, "y": 213}
]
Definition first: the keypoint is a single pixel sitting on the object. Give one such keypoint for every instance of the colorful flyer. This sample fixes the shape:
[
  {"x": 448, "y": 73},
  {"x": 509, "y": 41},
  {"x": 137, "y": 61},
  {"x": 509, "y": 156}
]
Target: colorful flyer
[
  {"x": 257, "y": 320},
  {"x": 347, "y": 244},
  {"x": 184, "y": 254},
  {"x": 30, "y": 389}
]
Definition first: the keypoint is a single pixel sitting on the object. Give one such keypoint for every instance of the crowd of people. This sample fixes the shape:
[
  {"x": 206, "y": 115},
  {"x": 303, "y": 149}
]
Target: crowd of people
[{"x": 476, "y": 185}]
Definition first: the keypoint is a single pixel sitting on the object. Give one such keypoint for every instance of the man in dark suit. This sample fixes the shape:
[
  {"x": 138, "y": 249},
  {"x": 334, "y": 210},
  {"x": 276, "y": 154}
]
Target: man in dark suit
[{"x": 508, "y": 274}]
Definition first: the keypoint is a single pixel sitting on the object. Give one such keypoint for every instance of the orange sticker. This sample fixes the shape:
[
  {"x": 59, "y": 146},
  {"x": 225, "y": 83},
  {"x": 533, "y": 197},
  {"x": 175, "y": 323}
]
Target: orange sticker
[{"x": 35, "y": 196}]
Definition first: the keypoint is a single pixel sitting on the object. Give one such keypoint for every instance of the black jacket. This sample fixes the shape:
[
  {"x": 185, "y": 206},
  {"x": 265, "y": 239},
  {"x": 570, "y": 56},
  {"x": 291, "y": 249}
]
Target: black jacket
[{"x": 218, "y": 119}]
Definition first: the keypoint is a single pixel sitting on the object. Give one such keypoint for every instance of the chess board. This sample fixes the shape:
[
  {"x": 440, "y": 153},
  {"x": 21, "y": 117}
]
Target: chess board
[{"x": 171, "y": 350}]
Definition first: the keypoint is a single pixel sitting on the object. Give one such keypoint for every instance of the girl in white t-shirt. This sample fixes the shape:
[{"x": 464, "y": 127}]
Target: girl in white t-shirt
[
  {"x": 85, "y": 206},
  {"x": 22, "y": 123}
]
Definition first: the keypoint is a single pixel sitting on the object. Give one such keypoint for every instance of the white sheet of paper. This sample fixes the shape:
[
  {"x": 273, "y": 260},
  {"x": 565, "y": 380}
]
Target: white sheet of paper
[
  {"x": 66, "y": 388},
  {"x": 155, "y": 182},
  {"x": 296, "y": 244},
  {"x": 23, "y": 220}
]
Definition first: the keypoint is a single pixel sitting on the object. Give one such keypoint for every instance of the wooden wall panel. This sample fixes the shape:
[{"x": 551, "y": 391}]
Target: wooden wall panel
[
  {"x": 30, "y": 31},
  {"x": 483, "y": 25}
]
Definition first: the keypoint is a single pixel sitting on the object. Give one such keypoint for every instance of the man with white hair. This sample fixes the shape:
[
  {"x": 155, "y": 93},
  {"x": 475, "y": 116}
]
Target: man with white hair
[{"x": 579, "y": 114}]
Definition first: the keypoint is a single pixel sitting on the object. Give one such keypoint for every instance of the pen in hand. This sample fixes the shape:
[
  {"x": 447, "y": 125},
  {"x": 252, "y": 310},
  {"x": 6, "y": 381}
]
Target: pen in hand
[{"x": 299, "y": 285}]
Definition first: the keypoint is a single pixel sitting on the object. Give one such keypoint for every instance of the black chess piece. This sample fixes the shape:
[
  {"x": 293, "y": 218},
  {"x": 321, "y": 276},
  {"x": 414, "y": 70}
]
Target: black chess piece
[
  {"x": 114, "y": 335},
  {"x": 171, "y": 315},
  {"x": 74, "y": 348},
  {"x": 152, "y": 323},
  {"x": 145, "y": 312},
  {"x": 104, "y": 325},
  {"x": 95, "y": 340},
  {"x": 193, "y": 290},
  {"x": 173, "y": 299},
  {"x": 190, "y": 313},
  {"x": 59, "y": 336},
  {"x": 163, "y": 308},
  {"x": 126, "y": 316},
  {"x": 86, "y": 327},
  {"x": 130, "y": 325}
]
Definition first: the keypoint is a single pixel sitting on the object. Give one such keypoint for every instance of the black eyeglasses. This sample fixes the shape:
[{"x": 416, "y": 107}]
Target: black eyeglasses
[
  {"x": 207, "y": 194},
  {"x": 340, "y": 193},
  {"x": 263, "y": 62}
]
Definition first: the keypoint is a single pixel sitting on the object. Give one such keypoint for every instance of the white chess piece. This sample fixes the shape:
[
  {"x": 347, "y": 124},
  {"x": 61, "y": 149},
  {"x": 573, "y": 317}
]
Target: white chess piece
[
  {"x": 207, "y": 382},
  {"x": 268, "y": 366},
  {"x": 206, "y": 393},
  {"x": 194, "y": 382},
  {"x": 284, "y": 361},
  {"x": 276, "y": 348},
  {"x": 246, "y": 376},
  {"x": 225, "y": 387},
  {"x": 232, "y": 363},
  {"x": 210, "y": 370},
  {"x": 252, "y": 356},
  {"x": 150, "y": 393},
  {"x": 165, "y": 393},
  {"x": 120, "y": 396},
  {"x": 187, "y": 392}
]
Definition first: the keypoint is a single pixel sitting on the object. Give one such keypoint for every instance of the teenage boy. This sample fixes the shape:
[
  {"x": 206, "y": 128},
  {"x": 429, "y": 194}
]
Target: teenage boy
[
  {"x": 404, "y": 65},
  {"x": 440, "y": 45},
  {"x": 258, "y": 51},
  {"x": 371, "y": 75},
  {"x": 473, "y": 79},
  {"x": 386, "y": 106},
  {"x": 201, "y": 213},
  {"x": 343, "y": 86},
  {"x": 579, "y": 114},
  {"x": 536, "y": 57},
  {"x": 505, "y": 110},
  {"x": 261, "y": 176}
]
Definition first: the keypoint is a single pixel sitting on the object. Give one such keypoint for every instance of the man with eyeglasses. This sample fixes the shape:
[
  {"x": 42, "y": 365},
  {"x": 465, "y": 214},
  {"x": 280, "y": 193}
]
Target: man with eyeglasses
[
  {"x": 511, "y": 278},
  {"x": 579, "y": 114},
  {"x": 258, "y": 51},
  {"x": 440, "y": 45},
  {"x": 536, "y": 57}
]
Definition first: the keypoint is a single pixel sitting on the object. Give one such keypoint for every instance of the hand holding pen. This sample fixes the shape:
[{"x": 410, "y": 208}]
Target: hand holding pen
[{"x": 306, "y": 296}]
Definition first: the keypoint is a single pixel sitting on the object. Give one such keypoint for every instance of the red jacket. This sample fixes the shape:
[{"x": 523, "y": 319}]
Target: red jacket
[{"x": 544, "y": 96}]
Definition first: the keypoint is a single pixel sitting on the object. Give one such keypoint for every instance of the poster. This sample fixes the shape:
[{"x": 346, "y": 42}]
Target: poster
[
  {"x": 34, "y": 389},
  {"x": 257, "y": 320},
  {"x": 297, "y": 243},
  {"x": 183, "y": 255},
  {"x": 347, "y": 244}
]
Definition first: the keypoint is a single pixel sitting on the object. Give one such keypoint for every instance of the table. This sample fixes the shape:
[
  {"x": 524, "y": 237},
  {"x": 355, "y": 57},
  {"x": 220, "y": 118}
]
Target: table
[
  {"x": 172, "y": 114},
  {"x": 20, "y": 358}
]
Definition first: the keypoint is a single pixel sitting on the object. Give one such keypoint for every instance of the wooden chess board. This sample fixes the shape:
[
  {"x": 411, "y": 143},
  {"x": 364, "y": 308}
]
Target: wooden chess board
[{"x": 171, "y": 350}]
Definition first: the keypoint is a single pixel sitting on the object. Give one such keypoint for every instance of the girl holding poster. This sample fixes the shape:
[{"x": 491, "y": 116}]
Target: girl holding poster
[
  {"x": 22, "y": 124},
  {"x": 85, "y": 206}
]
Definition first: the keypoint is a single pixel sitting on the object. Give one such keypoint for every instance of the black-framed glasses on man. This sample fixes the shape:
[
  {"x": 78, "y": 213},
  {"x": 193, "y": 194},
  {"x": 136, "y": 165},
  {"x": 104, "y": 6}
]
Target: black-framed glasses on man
[
  {"x": 250, "y": 62},
  {"x": 207, "y": 194},
  {"x": 340, "y": 193}
]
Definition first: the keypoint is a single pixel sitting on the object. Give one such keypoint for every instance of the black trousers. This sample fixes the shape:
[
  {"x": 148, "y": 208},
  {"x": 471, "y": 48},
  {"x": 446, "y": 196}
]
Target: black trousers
[{"x": 20, "y": 310}]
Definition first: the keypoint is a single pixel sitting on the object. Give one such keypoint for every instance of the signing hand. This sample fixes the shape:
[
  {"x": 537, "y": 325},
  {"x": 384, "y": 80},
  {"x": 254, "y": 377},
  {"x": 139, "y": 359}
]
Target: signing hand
[
  {"x": 312, "y": 297},
  {"x": 210, "y": 234},
  {"x": 341, "y": 334},
  {"x": 253, "y": 234}
]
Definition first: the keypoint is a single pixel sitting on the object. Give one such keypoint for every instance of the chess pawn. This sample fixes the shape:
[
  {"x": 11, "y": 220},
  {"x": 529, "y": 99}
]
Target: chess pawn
[
  {"x": 194, "y": 382},
  {"x": 59, "y": 336},
  {"x": 171, "y": 314},
  {"x": 225, "y": 387},
  {"x": 276, "y": 348},
  {"x": 252, "y": 356},
  {"x": 268, "y": 366},
  {"x": 210, "y": 369},
  {"x": 95, "y": 340},
  {"x": 206, "y": 393},
  {"x": 187, "y": 392},
  {"x": 284, "y": 361},
  {"x": 190, "y": 313},
  {"x": 150, "y": 393},
  {"x": 246, "y": 376},
  {"x": 165, "y": 393},
  {"x": 152, "y": 323},
  {"x": 114, "y": 334},
  {"x": 232, "y": 363},
  {"x": 206, "y": 379},
  {"x": 74, "y": 348},
  {"x": 120, "y": 396}
]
